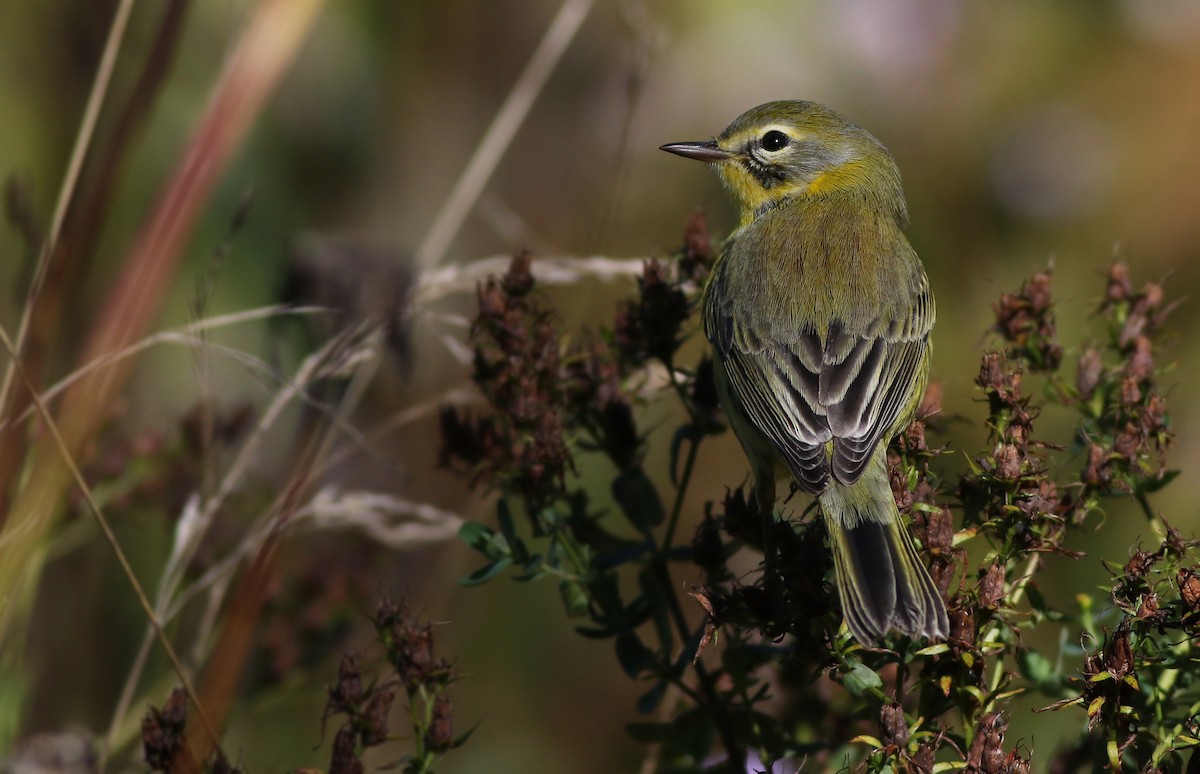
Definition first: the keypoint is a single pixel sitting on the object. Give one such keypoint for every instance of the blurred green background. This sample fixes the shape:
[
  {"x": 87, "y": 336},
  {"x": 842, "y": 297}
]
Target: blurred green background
[{"x": 1028, "y": 133}]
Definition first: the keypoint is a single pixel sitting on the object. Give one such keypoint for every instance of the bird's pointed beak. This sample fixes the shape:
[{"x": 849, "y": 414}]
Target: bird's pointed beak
[{"x": 700, "y": 151}]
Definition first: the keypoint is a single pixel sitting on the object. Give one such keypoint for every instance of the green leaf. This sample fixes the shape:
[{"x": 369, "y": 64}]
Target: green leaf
[
  {"x": 659, "y": 607},
  {"x": 638, "y": 499},
  {"x": 862, "y": 679},
  {"x": 462, "y": 738},
  {"x": 933, "y": 650},
  {"x": 476, "y": 535},
  {"x": 550, "y": 519},
  {"x": 532, "y": 570},
  {"x": 975, "y": 691},
  {"x": 689, "y": 433},
  {"x": 487, "y": 572},
  {"x": 648, "y": 702},
  {"x": 1037, "y": 669},
  {"x": 632, "y": 655},
  {"x": 516, "y": 546},
  {"x": 1036, "y": 600},
  {"x": 1155, "y": 484}
]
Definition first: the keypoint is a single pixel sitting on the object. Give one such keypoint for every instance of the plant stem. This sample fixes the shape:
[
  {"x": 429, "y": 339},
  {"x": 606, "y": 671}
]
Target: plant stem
[{"x": 677, "y": 509}]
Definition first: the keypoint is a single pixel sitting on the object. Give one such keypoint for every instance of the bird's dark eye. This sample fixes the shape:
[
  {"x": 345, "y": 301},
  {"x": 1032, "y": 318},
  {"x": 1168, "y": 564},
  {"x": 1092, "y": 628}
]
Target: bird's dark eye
[{"x": 774, "y": 140}]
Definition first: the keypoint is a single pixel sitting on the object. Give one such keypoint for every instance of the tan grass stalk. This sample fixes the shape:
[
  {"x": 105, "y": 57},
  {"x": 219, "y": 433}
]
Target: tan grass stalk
[{"x": 501, "y": 132}]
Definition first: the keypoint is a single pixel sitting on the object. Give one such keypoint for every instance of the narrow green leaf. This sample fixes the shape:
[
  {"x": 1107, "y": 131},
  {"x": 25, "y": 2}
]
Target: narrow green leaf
[
  {"x": 476, "y": 535},
  {"x": 462, "y": 738},
  {"x": 487, "y": 572},
  {"x": 648, "y": 702},
  {"x": 934, "y": 650},
  {"x": 867, "y": 740}
]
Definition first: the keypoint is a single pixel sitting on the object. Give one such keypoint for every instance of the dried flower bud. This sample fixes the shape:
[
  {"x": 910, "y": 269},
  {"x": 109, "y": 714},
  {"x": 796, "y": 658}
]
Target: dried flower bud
[
  {"x": 894, "y": 725},
  {"x": 1017, "y": 764},
  {"x": 923, "y": 759},
  {"x": 1149, "y": 608},
  {"x": 1008, "y": 463},
  {"x": 1140, "y": 365},
  {"x": 939, "y": 531},
  {"x": 962, "y": 624},
  {"x": 1189, "y": 587},
  {"x": 1037, "y": 291},
  {"x": 987, "y": 749},
  {"x": 163, "y": 732},
  {"x": 1096, "y": 473},
  {"x": 991, "y": 372},
  {"x": 344, "y": 696},
  {"x": 1151, "y": 296},
  {"x": 1119, "y": 287},
  {"x": 991, "y": 587},
  {"x": 1139, "y": 564},
  {"x": 344, "y": 758},
  {"x": 1088, "y": 373},
  {"x": 1131, "y": 394},
  {"x": 492, "y": 303},
  {"x": 375, "y": 729},
  {"x": 1119, "y": 660},
  {"x": 1129, "y": 442},
  {"x": 441, "y": 727},
  {"x": 519, "y": 279},
  {"x": 914, "y": 436}
]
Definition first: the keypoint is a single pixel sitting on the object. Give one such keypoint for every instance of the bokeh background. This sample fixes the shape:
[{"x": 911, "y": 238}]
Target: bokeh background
[{"x": 1029, "y": 134}]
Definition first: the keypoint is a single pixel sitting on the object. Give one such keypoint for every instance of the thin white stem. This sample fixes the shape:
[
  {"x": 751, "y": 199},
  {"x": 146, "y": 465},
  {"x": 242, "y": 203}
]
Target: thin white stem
[{"x": 439, "y": 283}]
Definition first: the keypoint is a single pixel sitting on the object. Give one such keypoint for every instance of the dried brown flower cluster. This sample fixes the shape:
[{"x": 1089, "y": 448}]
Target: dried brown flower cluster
[{"x": 366, "y": 706}]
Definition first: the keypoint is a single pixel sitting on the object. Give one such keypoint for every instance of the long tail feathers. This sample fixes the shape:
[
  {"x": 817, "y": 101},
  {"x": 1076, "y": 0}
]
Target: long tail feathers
[{"x": 881, "y": 581}]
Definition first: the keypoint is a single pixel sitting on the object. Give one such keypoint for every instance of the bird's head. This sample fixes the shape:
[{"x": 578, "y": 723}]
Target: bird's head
[{"x": 792, "y": 149}]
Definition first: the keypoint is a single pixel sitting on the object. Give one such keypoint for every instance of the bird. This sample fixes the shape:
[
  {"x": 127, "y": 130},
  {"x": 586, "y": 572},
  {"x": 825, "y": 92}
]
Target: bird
[{"x": 819, "y": 314}]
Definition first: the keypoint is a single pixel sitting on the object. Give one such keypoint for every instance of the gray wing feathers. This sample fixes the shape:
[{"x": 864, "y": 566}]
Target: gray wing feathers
[{"x": 801, "y": 391}]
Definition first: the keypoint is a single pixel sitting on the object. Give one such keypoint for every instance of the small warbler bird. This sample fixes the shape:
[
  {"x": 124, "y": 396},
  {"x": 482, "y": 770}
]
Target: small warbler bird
[{"x": 819, "y": 314}]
